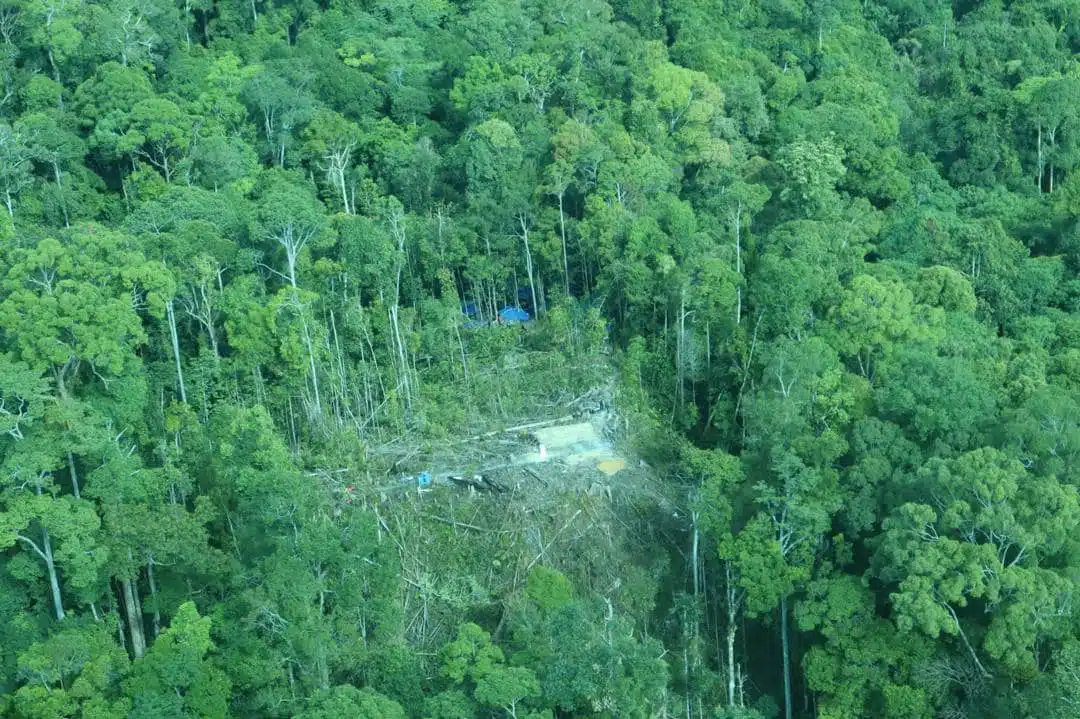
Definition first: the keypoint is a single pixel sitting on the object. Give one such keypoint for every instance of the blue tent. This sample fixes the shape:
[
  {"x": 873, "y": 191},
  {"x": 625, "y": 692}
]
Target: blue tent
[
  {"x": 468, "y": 309},
  {"x": 513, "y": 314}
]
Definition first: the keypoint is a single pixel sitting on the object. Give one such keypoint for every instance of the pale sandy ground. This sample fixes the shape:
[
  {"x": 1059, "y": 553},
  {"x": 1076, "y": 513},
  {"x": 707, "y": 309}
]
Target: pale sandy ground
[{"x": 576, "y": 444}]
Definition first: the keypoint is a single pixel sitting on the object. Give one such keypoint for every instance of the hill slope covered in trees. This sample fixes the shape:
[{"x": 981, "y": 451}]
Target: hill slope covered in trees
[{"x": 828, "y": 249}]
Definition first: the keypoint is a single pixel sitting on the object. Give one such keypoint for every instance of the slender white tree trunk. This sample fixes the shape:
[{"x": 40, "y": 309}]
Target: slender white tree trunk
[
  {"x": 153, "y": 597},
  {"x": 404, "y": 372},
  {"x": 54, "y": 580},
  {"x": 344, "y": 191},
  {"x": 134, "y": 617},
  {"x": 176, "y": 350},
  {"x": 786, "y": 656},
  {"x": 562, "y": 231},
  {"x": 1040, "y": 162},
  {"x": 293, "y": 246},
  {"x": 694, "y": 553},
  {"x": 60, "y": 191},
  {"x": 311, "y": 360},
  {"x": 732, "y": 627},
  {"x": 74, "y": 476},
  {"x": 738, "y": 261},
  {"x": 529, "y": 263}
]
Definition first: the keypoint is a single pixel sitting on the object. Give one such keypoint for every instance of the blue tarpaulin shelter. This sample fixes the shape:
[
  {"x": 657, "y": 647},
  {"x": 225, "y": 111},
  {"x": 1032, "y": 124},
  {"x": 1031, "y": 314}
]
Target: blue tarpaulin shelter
[{"x": 513, "y": 314}]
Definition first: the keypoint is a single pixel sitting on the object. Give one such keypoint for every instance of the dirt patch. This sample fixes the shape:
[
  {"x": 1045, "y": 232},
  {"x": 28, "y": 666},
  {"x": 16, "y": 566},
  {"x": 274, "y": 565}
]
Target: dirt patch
[
  {"x": 575, "y": 444},
  {"x": 568, "y": 435},
  {"x": 612, "y": 466}
]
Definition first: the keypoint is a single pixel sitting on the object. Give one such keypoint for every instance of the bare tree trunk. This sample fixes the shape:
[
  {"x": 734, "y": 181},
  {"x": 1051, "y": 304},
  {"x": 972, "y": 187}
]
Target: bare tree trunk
[
  {"x": 694, "y": 552},
  {"x": 529, "y": 262},
  {"x": 731, "y": 629},
  {"x": 490, "y": 296},
  {"x": 60, "y": 191},
  {"x": 405, "y": 376},
  {"x": 56, "y": 72},
  {"x": 176, "y": 350},
  {"x": 686, "y": 679},
  {"x": 293, "y": 246},
  {"x": 738, "y": 262},
  {"x": 786, "y": 656},
  {"x": 1040, "y": 163},
  {"x": 339, "y": 169},
  {"x": 211, "y": 332},
  {"x": 311, "y": 361},
  {"x": 50, "y": 566},
  {"x": 461, "y": 348},
  {"x": 134, "y": 618},
  {"x": 708, "y": 351},
  {"x": 339, "y": 365},
  {"x": 200, "y": 307},
  {"x": 74, "y": 476},
  {"x": 562, "y": 231},
  {"x": 402, "y": 357},
  {"x": 680, "y": 359},
  {"x": 187, "y": 23},
  {"x": 541, "y": 301},
  {"x": 731, "y": 662},
  {"x": 114, "y": 608},
  {"x": 963, "y": 636},
  {"x": 153, "y": 597},
  {"x": 46, "y": 554}
]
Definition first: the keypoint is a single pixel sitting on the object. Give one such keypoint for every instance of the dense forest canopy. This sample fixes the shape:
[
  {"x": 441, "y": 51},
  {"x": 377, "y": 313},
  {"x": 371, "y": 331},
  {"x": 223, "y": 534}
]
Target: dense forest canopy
[{"x": 818, "y": 261}]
